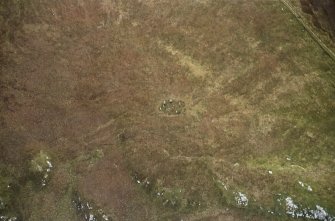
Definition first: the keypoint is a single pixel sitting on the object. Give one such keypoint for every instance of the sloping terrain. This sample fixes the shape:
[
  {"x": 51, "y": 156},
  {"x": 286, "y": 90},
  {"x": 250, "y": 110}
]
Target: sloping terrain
[
  {"x": 322, "y": 14},
  {"x": 163, "y": 110}
]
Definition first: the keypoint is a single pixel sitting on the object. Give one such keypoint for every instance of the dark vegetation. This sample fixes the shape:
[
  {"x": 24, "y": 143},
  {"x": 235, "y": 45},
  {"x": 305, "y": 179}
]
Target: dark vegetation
[{"x": 322, "y": 14}]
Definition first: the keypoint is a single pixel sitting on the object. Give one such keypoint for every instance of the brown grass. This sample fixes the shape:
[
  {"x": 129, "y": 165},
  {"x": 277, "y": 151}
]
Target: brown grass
[{"x": 85, "y": 76}]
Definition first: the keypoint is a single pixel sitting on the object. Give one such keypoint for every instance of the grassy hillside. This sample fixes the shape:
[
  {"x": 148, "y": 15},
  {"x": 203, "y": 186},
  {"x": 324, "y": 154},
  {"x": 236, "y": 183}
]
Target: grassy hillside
[{"x": 163, "y": 110}]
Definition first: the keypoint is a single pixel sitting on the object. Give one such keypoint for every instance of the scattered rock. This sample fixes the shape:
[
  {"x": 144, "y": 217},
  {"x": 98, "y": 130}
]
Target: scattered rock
[
  {"x": 6, "y": 218},
  {"x": 88, "y": 211},
  {"x": 172, "y": 107},
  {"x": 7, "y": 197},
  {"x": 305, "y": 186},
  {"x": 173, "y": 198},
  {"x": 40, "y": 168}
]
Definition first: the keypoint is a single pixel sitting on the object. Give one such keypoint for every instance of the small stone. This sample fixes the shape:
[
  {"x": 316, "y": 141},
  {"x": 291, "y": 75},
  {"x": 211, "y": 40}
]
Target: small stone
[
  {"x": 310, "y": 135},
  {"x": 301, "y": 183},
  {"x": 241, "y": 199}
]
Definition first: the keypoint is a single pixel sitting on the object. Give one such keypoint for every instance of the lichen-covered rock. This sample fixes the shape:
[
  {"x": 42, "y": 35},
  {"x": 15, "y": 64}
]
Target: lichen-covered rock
[
  {"x": 7, "y": 197},
  {"x": 40, "y": 168},
  {"x": 88, "y": 210},
  {"x": 6, "y": 218}
]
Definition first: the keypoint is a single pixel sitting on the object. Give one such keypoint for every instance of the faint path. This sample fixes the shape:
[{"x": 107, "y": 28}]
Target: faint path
[
  {"x": 309, "y": 29},
  {"x": 97, "y": 135},
  {"x": 193, "y": 158},
  {"x": 103, "y": 126},
  {"x": 195, "y": 67}
]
